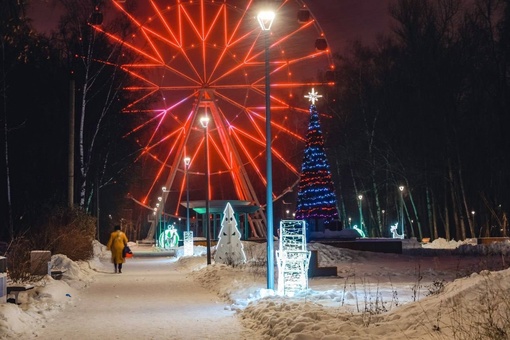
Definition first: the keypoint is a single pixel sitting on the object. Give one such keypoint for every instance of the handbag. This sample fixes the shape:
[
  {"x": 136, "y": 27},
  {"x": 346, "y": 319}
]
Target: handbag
[{"x": 126, "y": 252}]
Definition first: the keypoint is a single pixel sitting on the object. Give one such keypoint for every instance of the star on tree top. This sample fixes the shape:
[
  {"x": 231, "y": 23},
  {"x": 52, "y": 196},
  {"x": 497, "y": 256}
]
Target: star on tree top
[{"x": 313, "y": 96}]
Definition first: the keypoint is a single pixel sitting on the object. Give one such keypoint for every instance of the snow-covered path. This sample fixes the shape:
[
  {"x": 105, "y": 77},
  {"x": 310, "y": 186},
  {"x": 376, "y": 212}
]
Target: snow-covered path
[{"x": 153, "y": 299}]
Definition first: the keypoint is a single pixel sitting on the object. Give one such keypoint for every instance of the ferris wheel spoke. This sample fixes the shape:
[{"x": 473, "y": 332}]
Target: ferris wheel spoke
[
  {"x": 251, "y": 159},
  {"x": 228, "y": 40},
  {"x": 243, "y": 108},
  {"x": 141, "y": 126},
  {"x": 162, "y": 167},
  {"x": 149, "y": 147},
  {"x": 278, "y": 126},
  {"x": 221, "y": 154},
  {"x": 207, "y": 33},
  {"x": 126, "y": 68},
  {"x": 261, "y": 143},
  {"x": 251, "y": 113},
  {"x": 136, "y": 69},
  {"x": 176, "y": 45},
  {"x": 169, "y": 30},
  {"x": 128, "y": 45}
]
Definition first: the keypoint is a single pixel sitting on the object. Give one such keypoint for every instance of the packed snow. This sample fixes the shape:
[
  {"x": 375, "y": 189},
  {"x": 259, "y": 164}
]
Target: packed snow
[{"x": 440, "y": 290}]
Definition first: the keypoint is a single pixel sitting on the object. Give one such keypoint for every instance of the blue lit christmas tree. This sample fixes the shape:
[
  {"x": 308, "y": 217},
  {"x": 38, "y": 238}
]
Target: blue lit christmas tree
[{"x": 316, "y": 202}]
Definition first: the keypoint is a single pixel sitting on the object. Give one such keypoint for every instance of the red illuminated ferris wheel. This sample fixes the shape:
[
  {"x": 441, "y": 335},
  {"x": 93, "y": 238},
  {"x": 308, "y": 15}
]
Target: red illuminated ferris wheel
[{"x": 200, "y": 58}]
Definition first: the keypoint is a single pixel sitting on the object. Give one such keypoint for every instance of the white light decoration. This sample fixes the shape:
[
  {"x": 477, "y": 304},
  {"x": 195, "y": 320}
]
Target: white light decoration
[
  {"x": 169, "y": 238},
  {"x": 293, "y": 258},
  {"x": 229, "y": 249},
  {"x": 360, "y": 231},
  {"x": 394, "y": 232},
  {"x": 313, "y": 96},
  {"x": 188, "y": 243}
]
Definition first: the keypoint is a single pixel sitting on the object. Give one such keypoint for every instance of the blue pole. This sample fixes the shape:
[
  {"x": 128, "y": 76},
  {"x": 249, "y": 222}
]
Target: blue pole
[
  {"x": 187, "y": 198},
  {"x": 269, "y": 171},
  {"x": 207, "y": 223}
]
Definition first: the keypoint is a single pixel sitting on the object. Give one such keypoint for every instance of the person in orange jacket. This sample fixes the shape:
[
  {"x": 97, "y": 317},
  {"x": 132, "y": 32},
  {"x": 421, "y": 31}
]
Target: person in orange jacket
[{"x": 118, "y": 240}]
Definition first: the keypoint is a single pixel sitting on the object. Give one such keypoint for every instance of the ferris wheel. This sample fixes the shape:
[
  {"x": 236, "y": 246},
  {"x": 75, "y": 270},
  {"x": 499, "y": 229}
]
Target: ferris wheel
[{"x": 206, "y": 58}]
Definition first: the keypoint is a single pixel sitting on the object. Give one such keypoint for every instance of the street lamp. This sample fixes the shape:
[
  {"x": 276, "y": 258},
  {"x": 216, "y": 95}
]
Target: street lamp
[
  {"x": 401, "y": 189},
  {"x": 204, "y": 121},
  {"x": 187, "y": 162},
  {"x": 160, "y": 220},
  {"x": 265, "y": 19},
  {"x": 187, "y": 235},
  {"x": 360, "y": 198},
  {"x": 473, "y": 214},
  {"x": 163, "y": 226}
]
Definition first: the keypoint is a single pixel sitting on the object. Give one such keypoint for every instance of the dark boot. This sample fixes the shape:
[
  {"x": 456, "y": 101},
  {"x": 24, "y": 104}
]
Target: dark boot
[
  {"x": 115, "y": 267},
  {"x": 120, "y": 268}
]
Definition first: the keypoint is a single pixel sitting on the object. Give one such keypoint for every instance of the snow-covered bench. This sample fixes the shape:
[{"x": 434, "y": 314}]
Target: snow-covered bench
[
  {"x": 57, "y": 273},
  {"x": 14, "y": 290},
  {"x": 314, "y": 270}
]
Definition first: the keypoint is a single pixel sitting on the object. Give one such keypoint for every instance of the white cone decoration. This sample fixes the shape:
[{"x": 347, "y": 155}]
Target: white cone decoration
[
  {"x": 188, "y": 243},
  {"x": 229, "y": 249}
]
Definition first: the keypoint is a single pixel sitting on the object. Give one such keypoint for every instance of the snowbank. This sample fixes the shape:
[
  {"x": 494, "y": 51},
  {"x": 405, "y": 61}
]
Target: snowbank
[{"x": 374, "y": 296}]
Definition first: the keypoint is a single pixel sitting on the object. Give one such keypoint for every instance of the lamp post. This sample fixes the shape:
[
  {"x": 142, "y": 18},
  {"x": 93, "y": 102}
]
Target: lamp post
[
  {"x": 163, "y": 226},
  {"x": 187, "y": 235},
  {"x": 383, "y": 218},
  {"x": 401, "y": 189},
  {"x": 156, "y": 224},
  {"x": 204, "y": 121},
  {"x": 265, "y": 19},
  {"x": 158, "y": 230},
  {"x": 360, "y": 198},
  {"x": 473, "y": 214},
  {"x": 187, "y": 162},
  {"x": 163, "y": 189}
]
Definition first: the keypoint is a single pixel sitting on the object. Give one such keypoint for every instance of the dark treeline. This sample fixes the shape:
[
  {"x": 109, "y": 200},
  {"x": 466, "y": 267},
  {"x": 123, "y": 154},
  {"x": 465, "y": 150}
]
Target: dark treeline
[
  {"x": 427, "y": 108},
  {"x": 40, "y": 75}
]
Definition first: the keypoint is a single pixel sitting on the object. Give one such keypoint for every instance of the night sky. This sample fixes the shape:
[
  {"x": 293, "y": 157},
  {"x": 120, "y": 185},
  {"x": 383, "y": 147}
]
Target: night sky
[{"x": 342, "y": 20}]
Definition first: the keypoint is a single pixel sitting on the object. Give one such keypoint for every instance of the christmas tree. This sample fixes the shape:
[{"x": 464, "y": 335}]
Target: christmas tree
[{"x": 316, "y": 202}]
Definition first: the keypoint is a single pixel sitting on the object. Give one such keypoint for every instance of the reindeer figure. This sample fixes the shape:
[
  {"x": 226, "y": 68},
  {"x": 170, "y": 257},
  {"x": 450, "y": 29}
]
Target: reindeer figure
[
  {"x": 394, "y": 232},
  {"x": 360, "y": 231}
]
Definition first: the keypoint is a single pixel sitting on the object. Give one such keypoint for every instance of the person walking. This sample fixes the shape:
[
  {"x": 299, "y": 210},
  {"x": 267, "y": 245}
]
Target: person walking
[{"x": 118, "y": 240}]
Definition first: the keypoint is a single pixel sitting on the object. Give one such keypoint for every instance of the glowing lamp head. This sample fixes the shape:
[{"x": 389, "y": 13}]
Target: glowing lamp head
[
  {"x": 265, "y": 19},
  {"x": 204, "y": 121},
  {"x": 187, "y": 161},
  {"x": 164, "y": 189},
  {"x": 360, "y": 197},
  {"x": 401, "y": 188},
  {"x": 160, "y": 199}
]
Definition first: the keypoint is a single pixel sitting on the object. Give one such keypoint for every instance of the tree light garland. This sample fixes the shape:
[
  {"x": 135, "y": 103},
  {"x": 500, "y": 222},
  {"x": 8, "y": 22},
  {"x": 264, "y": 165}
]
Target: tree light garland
[{"x": 316, "y": 194}]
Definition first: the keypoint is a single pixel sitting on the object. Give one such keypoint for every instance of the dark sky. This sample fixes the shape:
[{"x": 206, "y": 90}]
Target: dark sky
[
  {"x": 342, "y": 20},
  {"x": 347, "y": 20}
]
